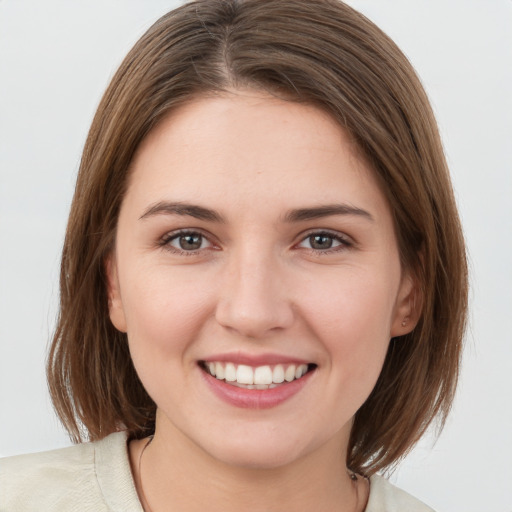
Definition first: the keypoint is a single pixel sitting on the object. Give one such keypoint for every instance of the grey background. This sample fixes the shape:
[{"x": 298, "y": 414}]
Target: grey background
[{"x": 56, "y": 58}]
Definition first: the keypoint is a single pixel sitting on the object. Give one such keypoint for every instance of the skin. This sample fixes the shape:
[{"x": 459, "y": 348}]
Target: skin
[{"x": 256, "y": 285}]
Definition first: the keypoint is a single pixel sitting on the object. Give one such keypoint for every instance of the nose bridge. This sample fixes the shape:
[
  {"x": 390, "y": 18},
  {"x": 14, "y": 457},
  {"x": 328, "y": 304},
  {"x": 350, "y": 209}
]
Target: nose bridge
[{"x": 254, "y": 298}]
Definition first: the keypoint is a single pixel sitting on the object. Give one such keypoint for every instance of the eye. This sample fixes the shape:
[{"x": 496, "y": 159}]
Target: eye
[
  {"x": 324, "y": 241},
  {"x": 186, "y": 241}
]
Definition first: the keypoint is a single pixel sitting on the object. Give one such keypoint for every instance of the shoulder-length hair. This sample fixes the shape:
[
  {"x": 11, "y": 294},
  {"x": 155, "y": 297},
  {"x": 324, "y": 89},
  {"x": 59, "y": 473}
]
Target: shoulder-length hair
[{"x": 318, "y": 52}]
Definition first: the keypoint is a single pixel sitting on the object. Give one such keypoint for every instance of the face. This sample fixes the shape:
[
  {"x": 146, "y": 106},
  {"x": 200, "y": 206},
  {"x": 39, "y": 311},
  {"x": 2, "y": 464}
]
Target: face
[{"x": 257, "y": 275}]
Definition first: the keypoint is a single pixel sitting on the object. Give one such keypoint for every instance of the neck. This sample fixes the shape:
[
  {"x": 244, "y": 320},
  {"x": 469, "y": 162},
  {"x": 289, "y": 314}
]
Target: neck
[{"x": 176, "y": 474}]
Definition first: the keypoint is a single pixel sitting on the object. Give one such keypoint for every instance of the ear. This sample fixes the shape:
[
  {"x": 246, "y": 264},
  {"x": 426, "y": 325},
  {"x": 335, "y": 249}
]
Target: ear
[
  {"x": 115, "y": 304},
  {"x": 408, "y": 305}
]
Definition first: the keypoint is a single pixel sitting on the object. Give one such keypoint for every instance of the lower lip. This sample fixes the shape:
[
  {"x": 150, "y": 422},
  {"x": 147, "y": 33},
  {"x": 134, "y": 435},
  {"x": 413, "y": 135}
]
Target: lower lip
[{"x": 255, "y": 398}]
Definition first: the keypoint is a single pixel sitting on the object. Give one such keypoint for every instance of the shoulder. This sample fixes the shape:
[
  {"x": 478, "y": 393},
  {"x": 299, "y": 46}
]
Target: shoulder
[
  {"x": 89, "y": 477},
  {"x": 385, "y": 497},
  {"x": 49, "y": 480}
]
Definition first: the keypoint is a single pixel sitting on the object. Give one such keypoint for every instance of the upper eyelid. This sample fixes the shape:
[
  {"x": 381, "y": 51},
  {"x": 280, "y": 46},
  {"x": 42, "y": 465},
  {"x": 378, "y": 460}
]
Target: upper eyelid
[
  {"x": 330, "y": 232},
  {"x": 165, "y": 243},
  {"x": 165, "y": 239},
  {"x": 169, "y": 235},
  {"x": 344, "y": 244}
]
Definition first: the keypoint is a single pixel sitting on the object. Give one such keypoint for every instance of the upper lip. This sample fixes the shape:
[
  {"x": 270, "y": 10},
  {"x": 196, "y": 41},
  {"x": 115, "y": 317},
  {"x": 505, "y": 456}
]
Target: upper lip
[{"x": 255, "y": 359}]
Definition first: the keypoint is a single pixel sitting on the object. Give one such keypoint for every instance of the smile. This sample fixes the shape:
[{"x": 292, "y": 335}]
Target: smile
[{"x": 259, "y": 377}]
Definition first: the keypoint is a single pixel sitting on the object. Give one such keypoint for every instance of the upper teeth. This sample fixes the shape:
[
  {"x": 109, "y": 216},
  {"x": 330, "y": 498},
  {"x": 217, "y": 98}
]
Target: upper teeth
[{"x": 259, "y": 375}]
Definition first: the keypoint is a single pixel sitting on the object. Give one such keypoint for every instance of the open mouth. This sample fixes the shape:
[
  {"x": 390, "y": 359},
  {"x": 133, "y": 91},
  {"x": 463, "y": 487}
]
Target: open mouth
[{"x": 259, "y": 377}]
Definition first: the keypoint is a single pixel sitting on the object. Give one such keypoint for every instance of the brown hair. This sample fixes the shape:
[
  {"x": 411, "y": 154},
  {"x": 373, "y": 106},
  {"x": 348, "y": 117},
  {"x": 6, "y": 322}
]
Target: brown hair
[{"x": 319, "y": 52}]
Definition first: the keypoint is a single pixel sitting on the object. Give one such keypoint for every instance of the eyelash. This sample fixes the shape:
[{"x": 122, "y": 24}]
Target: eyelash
[
  {"x": 344, "y": 242},
  {"x": 165, "y": 241}
]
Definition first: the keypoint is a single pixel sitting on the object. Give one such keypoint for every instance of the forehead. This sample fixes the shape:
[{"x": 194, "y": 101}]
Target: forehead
[{"x": 246, "y": 146}]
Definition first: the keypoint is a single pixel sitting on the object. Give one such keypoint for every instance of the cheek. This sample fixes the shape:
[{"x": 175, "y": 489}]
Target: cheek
[
  {"x": 352, "y": 317},
  {"x": 163, "y": 311},
  {"x": 356, "y": 303},
  {"x": 164, "y": 315}
]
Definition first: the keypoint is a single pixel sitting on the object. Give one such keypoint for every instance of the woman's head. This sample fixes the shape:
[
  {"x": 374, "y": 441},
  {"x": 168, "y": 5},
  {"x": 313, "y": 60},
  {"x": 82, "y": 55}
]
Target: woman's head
[{"x": 320, "y": 54}]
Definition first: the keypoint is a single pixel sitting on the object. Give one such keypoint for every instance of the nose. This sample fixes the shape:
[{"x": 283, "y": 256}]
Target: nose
[{"x": 254, "y": 299}]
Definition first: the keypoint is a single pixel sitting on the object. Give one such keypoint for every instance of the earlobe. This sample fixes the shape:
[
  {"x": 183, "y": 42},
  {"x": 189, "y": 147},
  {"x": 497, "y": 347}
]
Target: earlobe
[
  {"x": 115, "y": 304},
  {"x": 408, "y": 306}
]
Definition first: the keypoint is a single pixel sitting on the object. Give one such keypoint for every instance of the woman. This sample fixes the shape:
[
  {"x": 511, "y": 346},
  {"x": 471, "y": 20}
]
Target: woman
[{"x": 263, "y": 284}]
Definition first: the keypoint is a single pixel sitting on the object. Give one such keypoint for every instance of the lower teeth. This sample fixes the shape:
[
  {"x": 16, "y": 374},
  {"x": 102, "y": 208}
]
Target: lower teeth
[{"x": 253, "y": 386}]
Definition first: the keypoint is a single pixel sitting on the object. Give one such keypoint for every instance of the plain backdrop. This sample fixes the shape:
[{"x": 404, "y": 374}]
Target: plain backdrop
[{"x": 56, "y": 58}]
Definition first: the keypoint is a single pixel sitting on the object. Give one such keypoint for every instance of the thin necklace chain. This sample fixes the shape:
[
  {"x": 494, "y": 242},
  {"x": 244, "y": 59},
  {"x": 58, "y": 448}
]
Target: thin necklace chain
[{"x": 147, "y": 508}]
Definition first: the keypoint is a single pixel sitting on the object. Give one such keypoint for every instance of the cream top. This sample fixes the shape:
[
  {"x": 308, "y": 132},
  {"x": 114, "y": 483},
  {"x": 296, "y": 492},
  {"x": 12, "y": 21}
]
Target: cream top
[{"x": 96, "y": 477}]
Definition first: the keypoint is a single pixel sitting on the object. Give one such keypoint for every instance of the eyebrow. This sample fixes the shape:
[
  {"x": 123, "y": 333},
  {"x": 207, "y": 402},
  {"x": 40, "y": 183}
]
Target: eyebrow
[
  {"x": 184, "y": 209},
  {"x": 296, "y": 215},
  {"x": 318, "y": 212}
]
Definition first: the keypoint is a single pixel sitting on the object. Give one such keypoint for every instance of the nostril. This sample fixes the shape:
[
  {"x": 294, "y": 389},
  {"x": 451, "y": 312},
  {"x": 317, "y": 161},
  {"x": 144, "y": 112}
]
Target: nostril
[{"x": 253, "y": 311}]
